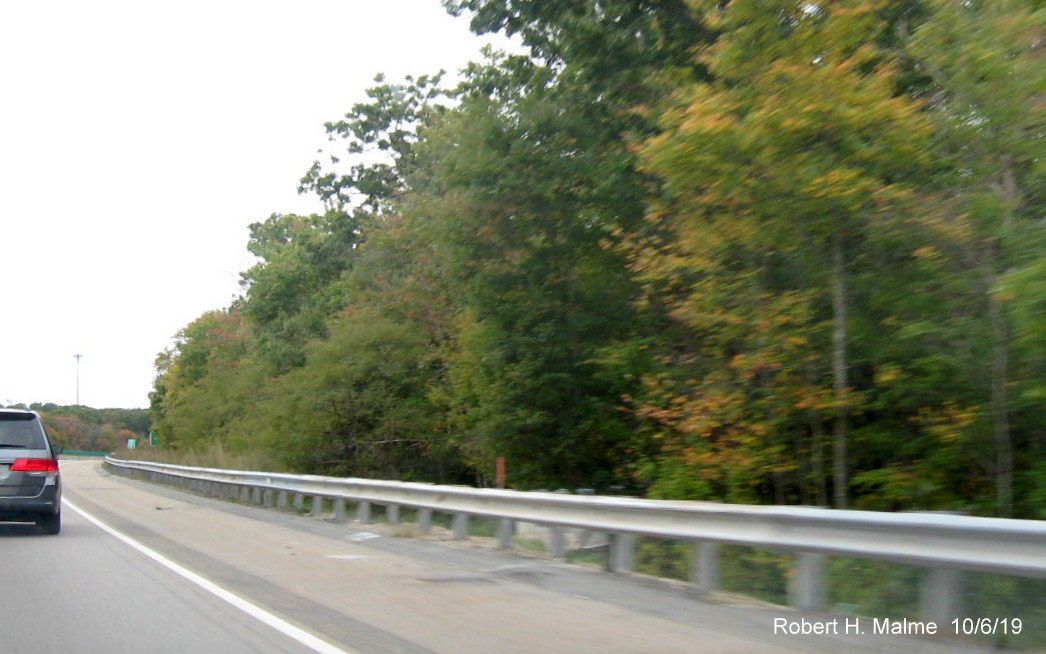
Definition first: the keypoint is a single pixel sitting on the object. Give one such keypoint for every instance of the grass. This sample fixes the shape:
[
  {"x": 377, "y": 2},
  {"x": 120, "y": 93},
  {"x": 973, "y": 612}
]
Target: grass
[
  {"x": 863, "y": 587},
  {"x": 591, "y": 556},
  {"x": 659, "y": 557},
  {"x": 213, "y": 456},
  {"x": 529, "y": 545}
]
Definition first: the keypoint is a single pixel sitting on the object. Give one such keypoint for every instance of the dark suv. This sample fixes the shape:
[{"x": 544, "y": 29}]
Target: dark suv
[{"x": 30, "y": 485}]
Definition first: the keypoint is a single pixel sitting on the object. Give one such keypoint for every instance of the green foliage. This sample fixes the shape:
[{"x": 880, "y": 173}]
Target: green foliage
[
  {"x": 136, "y": 420},
  {"x": 201, "y": 381},
  {"x": 755, "y": 571},
  {"x": 386, "y": 129},
  {"x": 984, "y": 63},
  {"x": 684, "y": 247},
  {"x": 96, "y": 430},
  {"x": 875, "y": 588},
  {"x": 292, "y": 290},
  {"x": 357, "y": 406},
  {"x": 608, "y": 46},
  {"x": 995, "y": 595},
  {"x": 522, "y": 244},
  {"x": 666, "y": 559},
  {"x": 778, "y": 176}
]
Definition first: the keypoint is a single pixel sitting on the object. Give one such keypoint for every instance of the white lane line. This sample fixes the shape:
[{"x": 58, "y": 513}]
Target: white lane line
[{"x": 279, "y": 624}]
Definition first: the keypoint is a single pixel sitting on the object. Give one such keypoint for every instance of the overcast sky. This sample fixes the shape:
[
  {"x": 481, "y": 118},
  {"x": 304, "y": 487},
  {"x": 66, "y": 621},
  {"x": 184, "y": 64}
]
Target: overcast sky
[{"x": 140, "y": 138}]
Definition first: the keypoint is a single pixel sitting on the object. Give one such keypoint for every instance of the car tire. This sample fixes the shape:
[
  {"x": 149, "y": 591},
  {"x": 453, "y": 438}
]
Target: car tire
[{"x": 50, "y": 524}]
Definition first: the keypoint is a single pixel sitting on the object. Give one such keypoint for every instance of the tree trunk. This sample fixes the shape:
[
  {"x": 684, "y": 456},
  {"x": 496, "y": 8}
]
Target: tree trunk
[
  {"x": 818, "y": 459},
  {"x": 1000, "y": 414},
  {"x": 1000, "y": 353},
  {"x": 802, "y": 468},
  {"x": 840, "y": 382},
  {"x": 817, "y": 443}
]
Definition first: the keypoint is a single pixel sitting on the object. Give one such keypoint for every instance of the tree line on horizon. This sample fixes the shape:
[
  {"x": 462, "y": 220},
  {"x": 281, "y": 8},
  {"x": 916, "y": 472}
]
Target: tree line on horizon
[
  {"x": 750, "y": 251},
  {"x": 86, "y": 429}
]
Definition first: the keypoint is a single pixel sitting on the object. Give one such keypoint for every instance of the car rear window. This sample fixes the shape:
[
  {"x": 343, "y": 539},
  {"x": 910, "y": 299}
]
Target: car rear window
[{"x": 21, "y": 430}]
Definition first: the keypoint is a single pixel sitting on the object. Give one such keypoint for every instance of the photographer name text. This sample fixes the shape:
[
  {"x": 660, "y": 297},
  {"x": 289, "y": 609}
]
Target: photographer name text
[{"x": 903, "y": 627}]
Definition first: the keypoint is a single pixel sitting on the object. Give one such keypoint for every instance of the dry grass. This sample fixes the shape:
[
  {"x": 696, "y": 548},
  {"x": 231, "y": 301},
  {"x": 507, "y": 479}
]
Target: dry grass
[{"x": 214, "y": 456}]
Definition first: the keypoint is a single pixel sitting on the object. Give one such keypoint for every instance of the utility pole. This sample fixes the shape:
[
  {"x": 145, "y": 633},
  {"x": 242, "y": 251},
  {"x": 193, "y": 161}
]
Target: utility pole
[{"x": 77, "y": 357}]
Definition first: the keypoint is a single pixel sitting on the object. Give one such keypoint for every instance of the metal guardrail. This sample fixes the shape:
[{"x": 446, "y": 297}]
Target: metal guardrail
[{"x": 944, "y": 543}]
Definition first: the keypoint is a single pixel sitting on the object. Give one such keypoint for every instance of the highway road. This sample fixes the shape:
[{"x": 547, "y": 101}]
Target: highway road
[{"x": 142, "y": 568}]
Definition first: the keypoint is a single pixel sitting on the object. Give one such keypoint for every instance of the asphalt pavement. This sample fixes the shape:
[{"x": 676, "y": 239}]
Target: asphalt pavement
[{"x": 84, "y": 592}]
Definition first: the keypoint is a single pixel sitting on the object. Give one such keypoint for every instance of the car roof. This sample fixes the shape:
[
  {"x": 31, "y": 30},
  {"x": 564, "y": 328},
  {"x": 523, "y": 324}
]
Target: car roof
[{"x": 22, "y": 411}]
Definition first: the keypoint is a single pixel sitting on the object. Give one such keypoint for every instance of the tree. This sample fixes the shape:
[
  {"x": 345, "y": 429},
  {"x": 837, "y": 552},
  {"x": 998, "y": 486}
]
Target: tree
[
  {"x": 988, "y": 73},
  {"x": 515, "y": 203},
  {"x": 357, "y": 406},
  {"x": 767, "y": 251},
  {"x": 379, "y": 138},
  {"x": 775, "y": 177},
  {"x": 293, "y": 290},
  {"x": 611, "y": 48},
  {"x": 201, "y": 385}
]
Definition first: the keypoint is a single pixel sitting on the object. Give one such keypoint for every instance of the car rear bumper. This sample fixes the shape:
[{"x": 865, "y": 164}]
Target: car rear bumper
[{"x": 29, "y": 508}]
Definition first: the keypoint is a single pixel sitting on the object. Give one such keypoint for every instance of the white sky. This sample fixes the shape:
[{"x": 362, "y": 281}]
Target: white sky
[{"x": 140, "y": 138}]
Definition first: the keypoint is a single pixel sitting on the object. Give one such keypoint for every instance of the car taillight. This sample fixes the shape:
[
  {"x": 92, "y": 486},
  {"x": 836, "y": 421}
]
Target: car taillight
[{"x": 35, "y": 466}]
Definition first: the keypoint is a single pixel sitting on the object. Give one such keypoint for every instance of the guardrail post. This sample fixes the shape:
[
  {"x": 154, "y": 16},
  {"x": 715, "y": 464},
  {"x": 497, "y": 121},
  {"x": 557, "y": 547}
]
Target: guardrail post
[
  {"x": 281, "y": 500},
  {"x": 505, "y": 529},
  {"x": 704, "y": 571},
  {"x": 460, "y": 523},
  {"x": 267, "y": 498},
  {"x": 424, "y": 520},
  {"x": 317, "y": 506},
  {"x": 557, "y": 544},
  {"x": 622, "y": 552},
  {"x": 256, "y": 495},
  {"x": 245, "y": 493},
  {"x": 392, "y": 514},
  {"x": 363, "y": 512},
  {"x": 807, "y": 588},
  {"x": 339, "y": 509},
  {"x": 940, "y": 595},
  {"x": 299, "y": 501}
]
